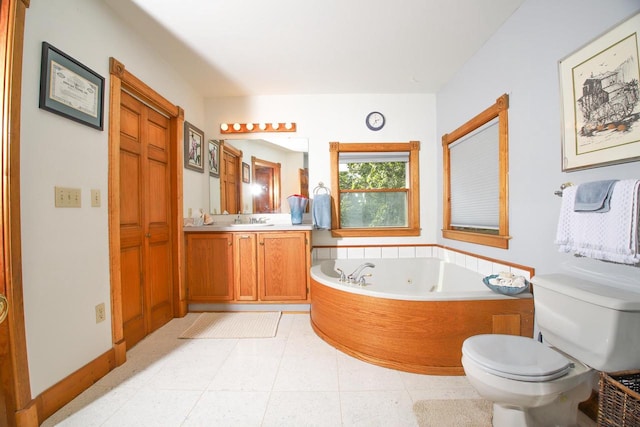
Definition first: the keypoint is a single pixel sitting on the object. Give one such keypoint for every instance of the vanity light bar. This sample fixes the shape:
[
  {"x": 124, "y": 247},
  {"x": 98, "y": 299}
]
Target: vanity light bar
[{"x": 257, "y": 127}]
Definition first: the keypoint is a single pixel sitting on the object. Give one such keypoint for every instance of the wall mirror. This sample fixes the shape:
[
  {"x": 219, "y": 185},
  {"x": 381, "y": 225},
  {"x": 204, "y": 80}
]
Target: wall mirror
[{"x": 257, "y": 175}]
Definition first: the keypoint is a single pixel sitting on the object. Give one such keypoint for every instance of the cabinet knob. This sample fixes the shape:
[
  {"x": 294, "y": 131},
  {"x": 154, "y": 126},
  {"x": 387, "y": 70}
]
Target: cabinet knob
[{"x": 147, "y": 235}]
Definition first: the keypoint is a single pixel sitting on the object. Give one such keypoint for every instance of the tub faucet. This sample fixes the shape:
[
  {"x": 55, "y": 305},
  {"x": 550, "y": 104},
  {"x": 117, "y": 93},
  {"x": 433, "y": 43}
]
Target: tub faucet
[
  {"x": 355, "y": 276},
  {"x": 363, "y": 279}
]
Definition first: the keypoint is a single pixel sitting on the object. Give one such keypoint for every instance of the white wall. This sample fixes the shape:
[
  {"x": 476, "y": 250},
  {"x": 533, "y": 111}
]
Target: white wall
[
  {"x": 341, "y": 118},
  {"x": 521, "y": 59},
  {"x": 65, "y": 251}
]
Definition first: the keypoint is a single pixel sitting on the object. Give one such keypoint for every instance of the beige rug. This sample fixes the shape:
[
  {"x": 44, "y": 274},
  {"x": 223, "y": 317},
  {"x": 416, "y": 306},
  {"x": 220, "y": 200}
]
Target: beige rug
[
  {"x": 458, "y": 413},
  {"x": 234, "y": 325}
]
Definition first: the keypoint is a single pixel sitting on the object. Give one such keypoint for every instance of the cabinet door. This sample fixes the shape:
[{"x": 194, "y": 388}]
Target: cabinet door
[
  {"x": 245, "y": 262},
  {"x": 283, "y": 266},
  {"x": 209, "y": 267}
]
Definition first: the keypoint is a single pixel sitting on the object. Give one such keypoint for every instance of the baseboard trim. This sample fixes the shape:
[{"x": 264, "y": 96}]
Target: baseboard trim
[{"x": 63, "y": 392}]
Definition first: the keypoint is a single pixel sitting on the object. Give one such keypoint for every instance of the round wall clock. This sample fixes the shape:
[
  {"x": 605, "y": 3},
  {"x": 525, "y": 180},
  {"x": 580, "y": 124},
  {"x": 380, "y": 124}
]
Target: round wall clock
[{"x": 375, "y": 120}]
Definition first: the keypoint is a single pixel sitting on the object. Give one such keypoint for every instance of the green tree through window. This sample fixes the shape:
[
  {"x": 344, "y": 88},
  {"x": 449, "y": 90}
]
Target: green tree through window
[{"x": 379, "y": 206}]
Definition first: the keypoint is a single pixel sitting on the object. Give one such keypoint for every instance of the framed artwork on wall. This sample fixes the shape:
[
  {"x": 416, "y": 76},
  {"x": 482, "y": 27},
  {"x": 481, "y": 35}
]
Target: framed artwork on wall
[
  {"x": 70, "y": 89},
  {"x": 600, "y": 100},
  {"x": 193, "y": 150},
  {"x": 214, "y": 158},
  {"x": 246, "y": 173}
]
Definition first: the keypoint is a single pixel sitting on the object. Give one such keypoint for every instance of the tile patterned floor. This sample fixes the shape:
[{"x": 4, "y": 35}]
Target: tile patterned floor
[{"x": 294, "y": 379}]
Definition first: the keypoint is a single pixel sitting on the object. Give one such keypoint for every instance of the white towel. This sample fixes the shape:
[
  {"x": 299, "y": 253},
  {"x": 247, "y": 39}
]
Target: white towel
[{"x": 610, "y": 236}]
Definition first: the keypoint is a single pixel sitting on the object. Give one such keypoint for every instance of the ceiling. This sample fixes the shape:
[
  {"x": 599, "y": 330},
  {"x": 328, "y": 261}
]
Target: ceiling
[{"x": 258, "y": 47}]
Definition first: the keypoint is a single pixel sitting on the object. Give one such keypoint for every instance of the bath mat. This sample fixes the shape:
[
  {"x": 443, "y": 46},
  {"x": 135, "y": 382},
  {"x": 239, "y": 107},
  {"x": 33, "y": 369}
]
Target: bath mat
[
  {"x": 459, "y": 413},
  {"x": 234, "y": 325}
]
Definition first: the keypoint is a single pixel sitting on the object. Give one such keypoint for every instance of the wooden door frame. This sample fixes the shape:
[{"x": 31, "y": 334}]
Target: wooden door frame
[
  {"x": 20, "y": 409},
  {"x": 123, "y": 80},
  {"x": 225, "y": 147}
]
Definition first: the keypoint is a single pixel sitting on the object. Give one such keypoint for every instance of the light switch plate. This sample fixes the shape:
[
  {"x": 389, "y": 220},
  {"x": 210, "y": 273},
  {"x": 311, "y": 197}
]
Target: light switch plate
[{"x": 68, "y": 197}]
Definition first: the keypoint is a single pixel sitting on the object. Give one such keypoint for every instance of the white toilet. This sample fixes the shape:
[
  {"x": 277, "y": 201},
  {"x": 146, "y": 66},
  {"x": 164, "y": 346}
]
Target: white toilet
[{"x": 586, "y": 327}]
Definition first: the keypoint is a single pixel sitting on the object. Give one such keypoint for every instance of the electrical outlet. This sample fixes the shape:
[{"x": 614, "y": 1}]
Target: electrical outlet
[
  {"x": 95, "y": 198},
  {"x": 100, "y": 313}
]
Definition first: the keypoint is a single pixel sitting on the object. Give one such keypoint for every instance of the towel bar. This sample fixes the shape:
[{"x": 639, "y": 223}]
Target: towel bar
[
  {"x": 562, "y": 187},
  {"x": 321, "y": 187}
]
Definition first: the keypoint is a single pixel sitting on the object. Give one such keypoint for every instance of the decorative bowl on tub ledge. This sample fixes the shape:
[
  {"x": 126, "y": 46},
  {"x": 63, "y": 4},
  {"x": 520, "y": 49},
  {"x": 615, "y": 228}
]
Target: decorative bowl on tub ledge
[{"x": 506, "y": 285}]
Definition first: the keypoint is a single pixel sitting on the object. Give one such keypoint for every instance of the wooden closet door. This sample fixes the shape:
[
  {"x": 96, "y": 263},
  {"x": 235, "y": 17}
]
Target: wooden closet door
[{"x": 145, "y": 236}]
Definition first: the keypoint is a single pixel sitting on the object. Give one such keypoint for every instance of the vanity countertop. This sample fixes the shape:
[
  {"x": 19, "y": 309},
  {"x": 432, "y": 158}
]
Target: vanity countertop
[{"x": 247, "y": 227}]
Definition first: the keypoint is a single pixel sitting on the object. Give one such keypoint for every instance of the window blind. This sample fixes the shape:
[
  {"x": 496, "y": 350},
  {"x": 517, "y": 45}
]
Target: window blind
[
  {"x": 475, "y": 179},
  {"x": 377, "y": 157}
]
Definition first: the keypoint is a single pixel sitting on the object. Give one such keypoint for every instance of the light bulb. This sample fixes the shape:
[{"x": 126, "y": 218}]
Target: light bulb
[
  {"x": 236, "y": 126},
  {"x": 224, "y": 127},
  {"x": 249, "y": 126},
  {"x": 275, "y": 126},
  {"x": 288, "y": 126},
  {"x": 262, "y": 126}
]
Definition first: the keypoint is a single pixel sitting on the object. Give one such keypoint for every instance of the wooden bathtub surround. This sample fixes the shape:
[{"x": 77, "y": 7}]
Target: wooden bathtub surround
[
  {"x": 415, "y": 336},
  {"x": 248, "y": 267}
]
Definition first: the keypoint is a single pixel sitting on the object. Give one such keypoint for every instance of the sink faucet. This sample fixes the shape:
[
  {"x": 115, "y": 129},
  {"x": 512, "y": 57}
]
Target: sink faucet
[{"x": 355, "y": 276}]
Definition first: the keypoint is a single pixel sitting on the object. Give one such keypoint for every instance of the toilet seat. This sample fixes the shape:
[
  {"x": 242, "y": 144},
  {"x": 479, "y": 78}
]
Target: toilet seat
[{"x": 515, "y": 357}]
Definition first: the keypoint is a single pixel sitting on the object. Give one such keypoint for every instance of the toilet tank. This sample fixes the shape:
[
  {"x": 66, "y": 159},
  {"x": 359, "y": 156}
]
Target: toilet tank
[{"x": 595, "y": 323}]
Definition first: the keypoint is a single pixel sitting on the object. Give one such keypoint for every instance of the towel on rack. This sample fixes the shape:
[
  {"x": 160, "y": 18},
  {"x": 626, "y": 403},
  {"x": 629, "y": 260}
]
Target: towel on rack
[
  {"x": 321, "y": 211},
  {"x": 594, "y": 196},
  {"x": 610, "y": 236}
]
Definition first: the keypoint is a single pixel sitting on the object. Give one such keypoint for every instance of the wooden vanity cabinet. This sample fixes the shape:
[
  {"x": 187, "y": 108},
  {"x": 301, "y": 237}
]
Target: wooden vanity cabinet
[
  {"x": 246, "y": 266},
  {"x": 251, "y": 267},
  {"x": 283, "y": 266},
  {"x": 209, "y": 267}
]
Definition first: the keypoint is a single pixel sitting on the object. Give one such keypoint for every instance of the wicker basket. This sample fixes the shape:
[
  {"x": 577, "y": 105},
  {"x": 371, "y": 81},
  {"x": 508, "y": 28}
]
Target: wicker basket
[{"x": 619, "y": 400}]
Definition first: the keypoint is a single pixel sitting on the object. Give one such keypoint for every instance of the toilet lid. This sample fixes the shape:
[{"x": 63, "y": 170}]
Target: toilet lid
[{"x": 516, "y": 357}]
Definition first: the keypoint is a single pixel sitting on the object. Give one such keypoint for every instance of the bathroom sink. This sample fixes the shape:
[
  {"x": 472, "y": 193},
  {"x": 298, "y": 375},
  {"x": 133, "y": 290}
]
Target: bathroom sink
[{"x": 250, "y": 225}]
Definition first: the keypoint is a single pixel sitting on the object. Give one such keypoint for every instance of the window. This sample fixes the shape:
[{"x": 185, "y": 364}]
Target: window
[
  {"x": 476, "y": 179},
  {"x": 378, "y": 190}
]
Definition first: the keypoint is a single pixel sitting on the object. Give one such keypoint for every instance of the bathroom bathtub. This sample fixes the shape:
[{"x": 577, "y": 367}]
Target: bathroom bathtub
[{"x": 413, "y": 314}]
